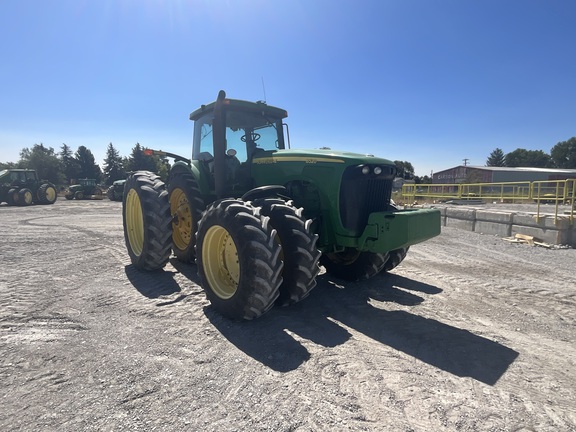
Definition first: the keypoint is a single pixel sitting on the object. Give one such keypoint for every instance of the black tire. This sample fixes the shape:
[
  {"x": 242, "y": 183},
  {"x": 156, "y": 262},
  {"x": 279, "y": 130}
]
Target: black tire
[
  {"x": 110, "y": 193},
  {"x": 69, "y": 196},
  {"x": 25, "y": 197},
  {"x": 352, "y": 265},
  {"x": 298, "y": 245},
  {"x": 147, "y": 221},
  {"x": 12, "y": 197},
  {"x": 238, "y": 259},
  {"x": 395, "y": 257},
  {"x": 47, "y": 194},
  {"x": 186, "y": 207},
  {"x": 97, "y": 192},
  {"x": 79, "y": 195}
]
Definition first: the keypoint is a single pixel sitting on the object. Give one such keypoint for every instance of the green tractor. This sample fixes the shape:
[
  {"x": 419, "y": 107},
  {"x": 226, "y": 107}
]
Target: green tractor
[
  {"x": 116, "y": 190},
  {"x": 22, "y": 187},
  {"x": 258, "y": 217},
  {"x": 85, "y": 189}
]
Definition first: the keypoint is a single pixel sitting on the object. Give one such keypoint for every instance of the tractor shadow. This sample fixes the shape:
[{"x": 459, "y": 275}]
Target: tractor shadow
[
  {"x": 279, "y": 338},
  {"x": 334, "y": 309},
  {"x": 152, "y": 284},
  {"x": 162, "y": 283}
]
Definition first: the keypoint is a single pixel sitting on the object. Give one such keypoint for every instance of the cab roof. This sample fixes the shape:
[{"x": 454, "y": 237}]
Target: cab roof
[{"x": 242, "y": 105}]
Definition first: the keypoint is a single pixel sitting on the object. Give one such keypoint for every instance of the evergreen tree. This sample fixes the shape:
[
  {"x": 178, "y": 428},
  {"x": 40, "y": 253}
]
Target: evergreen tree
[
  {"x": 87, "y": 164},
  {"x": 139, "y": 161},
  {"x": 496, "y": 158},
  {"x": 113, "y": 168},
  {"x": 70, "y": 166}
]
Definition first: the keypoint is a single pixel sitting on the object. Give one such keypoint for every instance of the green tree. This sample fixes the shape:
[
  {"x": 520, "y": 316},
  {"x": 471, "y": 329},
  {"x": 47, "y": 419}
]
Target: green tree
[
  {"x": 70, "y": 166},
  {"x": 528, "y": 158},
  {"x": 139, "y": 161},
  {"x": 44, "y": 160},
  {"x": 405, "y": 169},
  {"x": 87, "y": 164},
  {"x": 7, "y": 165},
  {"x": 426, "y": 179},
  {"x": 496, "y": 158},
  {"x": 564, "y": 154},
  {"x": 113, "y": 168}
]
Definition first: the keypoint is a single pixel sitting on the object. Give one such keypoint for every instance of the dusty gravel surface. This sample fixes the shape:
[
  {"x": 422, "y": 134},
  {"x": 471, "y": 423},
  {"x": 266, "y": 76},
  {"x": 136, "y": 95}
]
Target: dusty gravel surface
[{"x": 470, "y": 333}]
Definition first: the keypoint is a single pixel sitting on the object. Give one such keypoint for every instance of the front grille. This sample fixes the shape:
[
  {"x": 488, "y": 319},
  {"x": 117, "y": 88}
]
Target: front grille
[{"x": 362, "y": 194}]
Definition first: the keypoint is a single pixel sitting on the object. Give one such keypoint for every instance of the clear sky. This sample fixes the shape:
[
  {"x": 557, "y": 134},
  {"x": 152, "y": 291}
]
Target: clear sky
[{"x": 426, "y": 81}]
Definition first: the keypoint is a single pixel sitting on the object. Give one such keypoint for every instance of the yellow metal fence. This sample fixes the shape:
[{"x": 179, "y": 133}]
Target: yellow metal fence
[{"x": 557, "y": 192}]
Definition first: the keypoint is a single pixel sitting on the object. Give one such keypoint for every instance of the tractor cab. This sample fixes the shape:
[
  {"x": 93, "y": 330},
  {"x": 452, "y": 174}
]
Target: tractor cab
[{"x": 232, "y": 136}]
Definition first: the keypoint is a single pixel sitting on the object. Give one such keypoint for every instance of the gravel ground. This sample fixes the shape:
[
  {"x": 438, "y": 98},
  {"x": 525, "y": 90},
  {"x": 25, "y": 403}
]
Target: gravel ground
[{"x": 470, "y": 333}]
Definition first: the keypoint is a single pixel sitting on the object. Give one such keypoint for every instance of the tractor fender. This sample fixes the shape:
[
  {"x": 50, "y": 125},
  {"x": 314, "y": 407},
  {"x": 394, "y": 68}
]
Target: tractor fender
[
  {"x": 265, "y": 192},
  {"x": 179, "y": 168},
  {"x": 182, "y": 168}
]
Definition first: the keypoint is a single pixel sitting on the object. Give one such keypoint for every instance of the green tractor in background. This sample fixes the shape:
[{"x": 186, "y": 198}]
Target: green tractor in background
[
  {"x": 258, "y": 217},
  {"x": 22, "y": 187},
  {"x": 85, "y": 189},
  {"x": 116, "y": 190}
]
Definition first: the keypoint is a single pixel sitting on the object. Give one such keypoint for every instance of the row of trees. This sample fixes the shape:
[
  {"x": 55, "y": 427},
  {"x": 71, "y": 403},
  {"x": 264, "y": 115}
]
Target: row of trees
[
  {"x": 562, "y": 155},
  {"x": 66, "y": 166}
]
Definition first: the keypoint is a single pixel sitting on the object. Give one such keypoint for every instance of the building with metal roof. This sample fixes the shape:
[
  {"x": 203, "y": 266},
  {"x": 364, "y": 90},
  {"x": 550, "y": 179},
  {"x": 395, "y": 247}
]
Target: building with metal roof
[{"x": 488, "y": 174}]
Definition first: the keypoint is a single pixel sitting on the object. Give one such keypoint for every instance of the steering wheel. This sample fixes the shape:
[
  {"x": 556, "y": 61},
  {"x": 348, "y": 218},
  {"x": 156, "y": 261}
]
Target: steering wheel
[{"x": 253, "y": 136}]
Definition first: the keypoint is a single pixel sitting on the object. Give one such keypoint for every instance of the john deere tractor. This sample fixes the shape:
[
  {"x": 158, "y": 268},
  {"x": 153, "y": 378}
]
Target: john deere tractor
[
  {"x": 258, "y": 217},
  {"x": 22, "y": 187},
  {"x": 85, "y": 189},
  {"x": 116, "y": 190}
]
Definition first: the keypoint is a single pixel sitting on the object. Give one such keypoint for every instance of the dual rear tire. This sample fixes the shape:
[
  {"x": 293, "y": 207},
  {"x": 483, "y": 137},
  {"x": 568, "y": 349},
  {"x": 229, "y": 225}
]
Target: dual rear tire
[{"x": 241, "y": 248}]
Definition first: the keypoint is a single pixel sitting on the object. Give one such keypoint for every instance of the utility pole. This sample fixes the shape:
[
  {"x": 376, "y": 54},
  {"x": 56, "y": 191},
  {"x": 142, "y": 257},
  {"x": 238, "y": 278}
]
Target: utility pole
[{"x": 465, "y": 161}]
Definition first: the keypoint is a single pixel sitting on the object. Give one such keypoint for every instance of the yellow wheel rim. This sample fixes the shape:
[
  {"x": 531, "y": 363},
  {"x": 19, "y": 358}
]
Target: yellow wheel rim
[
  {"x": 50, "y": 194},
  {"x": 28, "y": 197},
  {"x": 220, "y": 261},
  {"x": 182, "y": 223},
  {"x": 134, "y": 222}
]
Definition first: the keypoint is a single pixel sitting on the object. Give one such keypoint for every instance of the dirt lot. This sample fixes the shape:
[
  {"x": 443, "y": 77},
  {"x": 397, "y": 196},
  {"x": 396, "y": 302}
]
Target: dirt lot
[{"x": 470, "y": 333}]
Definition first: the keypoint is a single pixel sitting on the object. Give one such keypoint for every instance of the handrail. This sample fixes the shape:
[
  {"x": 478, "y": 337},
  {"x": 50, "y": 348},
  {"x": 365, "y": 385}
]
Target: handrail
[{"x": 544, "y": 191}]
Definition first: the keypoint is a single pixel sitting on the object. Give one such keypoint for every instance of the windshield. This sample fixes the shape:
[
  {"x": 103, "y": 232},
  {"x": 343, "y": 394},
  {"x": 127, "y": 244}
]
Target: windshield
[{"x": 246, "y": 133}]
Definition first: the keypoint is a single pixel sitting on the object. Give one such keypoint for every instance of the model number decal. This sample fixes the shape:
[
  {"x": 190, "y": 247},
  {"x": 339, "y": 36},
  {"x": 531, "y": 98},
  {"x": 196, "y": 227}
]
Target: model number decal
[{"x": 307, "y": 160}]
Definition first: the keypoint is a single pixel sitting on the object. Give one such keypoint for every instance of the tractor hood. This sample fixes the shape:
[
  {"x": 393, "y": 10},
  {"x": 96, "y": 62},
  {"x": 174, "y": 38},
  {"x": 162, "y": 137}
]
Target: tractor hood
[{"x": 319, "y": 156}]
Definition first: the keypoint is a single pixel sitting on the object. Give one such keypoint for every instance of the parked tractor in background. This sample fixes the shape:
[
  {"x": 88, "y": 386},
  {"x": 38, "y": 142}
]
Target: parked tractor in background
[
  {"x": 85, "y": 189},
  {"x": 116, "y": 190},
  {"x": 22, "y": 187},
  {"x": 259, "y": 217}
]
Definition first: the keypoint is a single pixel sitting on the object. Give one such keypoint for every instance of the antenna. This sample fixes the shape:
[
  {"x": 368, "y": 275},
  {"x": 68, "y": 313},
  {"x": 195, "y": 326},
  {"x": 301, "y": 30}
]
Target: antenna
[
  {"x": 264, "y": 89},
  {"x": 465, "y": 161}
]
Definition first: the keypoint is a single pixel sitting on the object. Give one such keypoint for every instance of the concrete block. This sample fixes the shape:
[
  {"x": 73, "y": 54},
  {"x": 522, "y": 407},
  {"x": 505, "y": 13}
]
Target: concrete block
[
  {"x": 461, "y": 213},
  {"x": 494, "y": 216},
  {"x": 547, "y": 222},
  {"x": 552, "y": 236},
  {"x": 493, "y": 228},
  {"x": 572, "y": 235},
  {"x": 460, "y": 223},
  {"x": 461, "y": 218},
  {"x": 493, "y": 223}
]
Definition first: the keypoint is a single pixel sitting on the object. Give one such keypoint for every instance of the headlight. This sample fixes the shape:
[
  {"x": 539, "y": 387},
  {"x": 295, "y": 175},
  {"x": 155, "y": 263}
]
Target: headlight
[
  {"x": 365, "y": 169},
  {"x": 378, "y": 170}
]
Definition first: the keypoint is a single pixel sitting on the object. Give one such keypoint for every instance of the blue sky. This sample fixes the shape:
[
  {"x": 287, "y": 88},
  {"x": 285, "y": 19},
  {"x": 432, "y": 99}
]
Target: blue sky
[{"x": 426, "y": 81}]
